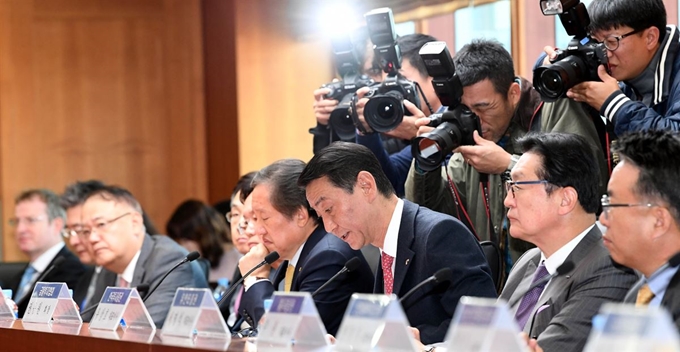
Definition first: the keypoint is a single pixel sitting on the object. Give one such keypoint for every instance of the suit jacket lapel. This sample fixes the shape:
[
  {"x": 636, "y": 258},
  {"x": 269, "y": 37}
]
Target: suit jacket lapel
[
  {"x": 280, "y": 274},
  {"x": 309, "y": 245},
  {"x": 140, "y": 268},
  {"x": 404, "y": 243}
]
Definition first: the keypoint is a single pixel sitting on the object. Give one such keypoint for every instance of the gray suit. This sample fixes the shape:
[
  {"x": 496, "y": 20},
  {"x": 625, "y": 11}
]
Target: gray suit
[
  {"x": 158, "y": 255},
  {"x": 570, "y": 301}
]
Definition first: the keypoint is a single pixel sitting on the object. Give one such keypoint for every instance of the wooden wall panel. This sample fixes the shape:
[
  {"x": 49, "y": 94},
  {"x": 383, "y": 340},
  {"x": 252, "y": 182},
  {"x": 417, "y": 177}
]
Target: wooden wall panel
[{"x": 90, "y": 89}]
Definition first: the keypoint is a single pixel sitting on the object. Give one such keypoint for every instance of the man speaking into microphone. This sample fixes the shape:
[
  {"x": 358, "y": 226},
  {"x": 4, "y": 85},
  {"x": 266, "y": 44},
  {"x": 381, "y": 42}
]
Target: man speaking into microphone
[
  {"x": 113, "y": 225},
  {"x": 286, "y": 224},
  {"x": 348, "y": 189},
  {"x": 552, "y": 199}
]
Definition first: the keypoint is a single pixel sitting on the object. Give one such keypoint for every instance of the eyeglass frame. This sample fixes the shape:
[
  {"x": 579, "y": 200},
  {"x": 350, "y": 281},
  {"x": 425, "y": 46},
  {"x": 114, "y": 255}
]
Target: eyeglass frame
[
  {"x": 509, "y": 185},
  {"x": 619, "y": 38},
  {"x": 228, "y": 216},
  {"x": 67, "y": 233},
  {"x": 606, "y": 205},
  {"x": 30, "y": 220},
  {"x": 86, "y": 231}
]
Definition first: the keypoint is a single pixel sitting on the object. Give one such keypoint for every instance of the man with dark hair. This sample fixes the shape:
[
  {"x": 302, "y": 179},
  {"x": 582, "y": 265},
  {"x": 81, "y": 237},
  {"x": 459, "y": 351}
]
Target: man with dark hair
[
  {"x": 38, "y": 222},
  {"x": 113, "y": 224},
  {"x": 642, "y": 214},
  {"x": 286, "y": 224},
  {"x": 470, "y": 187},
  {"x": 347, "y": 187},
  {"x": 642, "y": 90},
  {"x": 552, "y": 200}
]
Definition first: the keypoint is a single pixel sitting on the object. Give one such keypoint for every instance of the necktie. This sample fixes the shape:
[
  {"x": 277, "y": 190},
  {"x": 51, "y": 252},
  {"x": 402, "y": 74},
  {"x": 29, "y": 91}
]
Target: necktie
[
  {"x": 90, "y": 290},
  {"x": 26, "y": 283},
  {"x": 123, "y": 283},
  {"x": 531, "y": 297},
  {"x": 388, "y": 277},
  {"x": 644, "y": 296},
  {"x": 290, "y": 272}
]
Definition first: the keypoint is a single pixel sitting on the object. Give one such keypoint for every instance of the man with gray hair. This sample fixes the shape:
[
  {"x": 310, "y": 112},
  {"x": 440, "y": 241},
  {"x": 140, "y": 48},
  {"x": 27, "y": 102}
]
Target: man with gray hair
[
  {"x": 113, "y": 225},
  {"x": 38, "y": 222}
]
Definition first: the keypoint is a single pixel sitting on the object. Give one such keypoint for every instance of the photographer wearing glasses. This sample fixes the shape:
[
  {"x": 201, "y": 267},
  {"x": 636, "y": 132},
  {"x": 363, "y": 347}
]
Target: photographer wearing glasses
[{"x": 642, "y": 89}]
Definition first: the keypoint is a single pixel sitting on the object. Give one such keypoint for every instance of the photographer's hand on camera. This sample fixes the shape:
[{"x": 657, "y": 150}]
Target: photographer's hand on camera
[
  {"x": 550, "y": 55},
  {"x": 595, "y": 93},
  {"x": 422, "y": 126},
  {"x": 361, "y": 102},
  {"x": 485, "y": 156},
  {"x": 322, "y": 106},
  {"x": 407, "y": 129}
]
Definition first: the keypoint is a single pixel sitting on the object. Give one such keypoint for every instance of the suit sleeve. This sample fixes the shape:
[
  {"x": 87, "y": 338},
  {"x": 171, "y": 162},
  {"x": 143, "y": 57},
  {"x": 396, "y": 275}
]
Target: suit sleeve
[
  {"x": 395, "y": 166},
  {"x": 470, "y": 274},
  {"x": 251, "y": 306},
  {"x": 570, "y": 326}
]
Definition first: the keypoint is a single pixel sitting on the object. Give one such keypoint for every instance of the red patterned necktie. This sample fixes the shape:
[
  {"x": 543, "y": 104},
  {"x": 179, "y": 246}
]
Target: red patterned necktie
[{"x": 388, "y": 278}]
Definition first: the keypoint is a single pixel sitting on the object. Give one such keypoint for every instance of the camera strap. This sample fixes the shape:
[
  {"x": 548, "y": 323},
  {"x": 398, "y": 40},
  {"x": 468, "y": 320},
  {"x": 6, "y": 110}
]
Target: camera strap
[
  {"x": 459, "y": 205},
  {"x": 484, "y": 185},
  {"x": 355, "y": 116}
]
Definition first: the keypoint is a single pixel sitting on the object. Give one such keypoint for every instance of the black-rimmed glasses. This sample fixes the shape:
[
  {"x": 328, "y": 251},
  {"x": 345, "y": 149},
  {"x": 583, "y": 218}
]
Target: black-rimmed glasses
[
  {"x": 612, "y": 42},
  {"x": 512, "y": 186}
]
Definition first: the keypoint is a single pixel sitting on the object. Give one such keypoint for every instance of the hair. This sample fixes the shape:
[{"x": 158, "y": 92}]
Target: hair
[
  {"x": 244, "y": 184},
  {"x": 118, "y": 194},
  {"x": 409, "y": 46},
  {"x": 76, "y": 193},
  {"x": 567, "y": 160},
  {"x": 51, "y": 200},
  {"x": 285, "y": 196},
  {"x": 196, "y": 221},
  {"x": 341, "y": 162},
  {"x": 636, "y": 14},
  {"x": 485, "y": 59},
  {"x": 656, "y": 155}
]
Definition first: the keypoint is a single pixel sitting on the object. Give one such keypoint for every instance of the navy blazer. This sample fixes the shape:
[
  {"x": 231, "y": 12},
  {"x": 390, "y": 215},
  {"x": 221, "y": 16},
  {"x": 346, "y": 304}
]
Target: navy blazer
[
  {"x": 429, "y": 241},
  {"x": 322, "y": 256},
  {"x": 70, "y": 271}
]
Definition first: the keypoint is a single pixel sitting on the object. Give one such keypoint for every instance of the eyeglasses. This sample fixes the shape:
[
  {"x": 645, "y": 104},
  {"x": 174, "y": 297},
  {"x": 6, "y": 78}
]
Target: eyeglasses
[
  {"x": 30, "y": 220},
  {"x": 511, "y": 186},
  {"x": 66, "y": 233},
  {"x": 612, "y": 42},
  {"x": 231, "y": 216},
  {"x": 99, "y": 226},
  {"x": 606, "y": 205}
]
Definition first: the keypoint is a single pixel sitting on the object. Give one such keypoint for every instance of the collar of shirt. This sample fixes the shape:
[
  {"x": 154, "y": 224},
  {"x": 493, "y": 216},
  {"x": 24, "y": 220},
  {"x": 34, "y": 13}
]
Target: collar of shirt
[
  {"x": 129, "y": 271},
  {"x": 43, "y": 261},
  {"x": 392, "y": 235},
  {"x": 293, "y": 261},
  {"x": 555, "y": 260},
  {"x": 658, "y": 283}
]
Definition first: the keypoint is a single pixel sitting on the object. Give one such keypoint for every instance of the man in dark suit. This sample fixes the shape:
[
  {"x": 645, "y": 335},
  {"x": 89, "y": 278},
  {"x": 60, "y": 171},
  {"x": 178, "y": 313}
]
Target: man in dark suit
[
  {"x": 348, "y": 189},
  {"x": 642, "y": 214},
  {"x": 113, "y": 224},
  {"x": 38, "y": 221},
  {"x": 285, "y": 223},
  {"x": 552, "y": 201}
]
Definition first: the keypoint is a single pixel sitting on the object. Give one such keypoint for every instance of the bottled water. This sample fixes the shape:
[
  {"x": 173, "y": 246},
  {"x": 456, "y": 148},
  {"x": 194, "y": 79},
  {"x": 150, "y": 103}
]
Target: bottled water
[{"x": 222, "y": 286}]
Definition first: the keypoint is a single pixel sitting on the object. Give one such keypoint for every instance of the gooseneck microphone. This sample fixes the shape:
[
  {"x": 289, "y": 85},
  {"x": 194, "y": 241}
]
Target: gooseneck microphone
[
  {"x": 57, "y": 261},
  {"x": 270, "y": 258},
  {"x": 142, "y": 288},
  {"x": 442, "y": 275},
  {"x": 189, "y": 258},
  {"x": 351, "y": 265},
  {"x": 673, "y": 262},
  {"x": 563, "y": 269}
]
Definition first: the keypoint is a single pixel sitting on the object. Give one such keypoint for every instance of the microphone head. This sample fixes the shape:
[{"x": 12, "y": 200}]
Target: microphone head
[
  {"x": 57, "y": 261},
  {"x": 143, "y": 288},
  {"x": 272, "y": 257},
  {"x": 442, "y": 275},
  {"x": 675, "y": 260},
  {"x": 565, "y": 268},
  {"x": 353, "y": 264},
  {"x": 193, "y": 256}
]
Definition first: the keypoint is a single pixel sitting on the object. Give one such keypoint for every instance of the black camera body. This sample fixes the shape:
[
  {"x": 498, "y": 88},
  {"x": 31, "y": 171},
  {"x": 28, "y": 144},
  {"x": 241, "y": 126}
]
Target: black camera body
[
  {"x": 579, "y": 62},
  {"x": 454, "y": 127},
  {"x": 385, "y": 109},
  {"x": 348, "y": 65}
]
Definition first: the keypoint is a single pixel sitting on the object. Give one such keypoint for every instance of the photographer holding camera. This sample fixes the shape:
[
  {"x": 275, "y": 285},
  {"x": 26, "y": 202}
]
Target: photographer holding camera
[
  {"x": 470, "y": 187},
  {"x": 642, "y": 57}
]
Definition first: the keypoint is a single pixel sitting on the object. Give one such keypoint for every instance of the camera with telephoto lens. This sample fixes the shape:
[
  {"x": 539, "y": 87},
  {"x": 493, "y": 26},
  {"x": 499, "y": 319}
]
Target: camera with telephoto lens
[
  {"x": 385, "y": 109},
  {"x": 349, "y": 68},
  {"x": 579, "y": 62},
  {"x": 454, "y": 127}
]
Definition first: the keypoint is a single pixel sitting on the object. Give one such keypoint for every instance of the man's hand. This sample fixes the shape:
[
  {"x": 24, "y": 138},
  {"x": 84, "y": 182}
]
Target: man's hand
[
  {"x": 407, "y": 128},
  {"x": 322, "y": 106},
  {"x": 551, "y": 54},
  {"x": 531, "y": 343},
  {"x": 422, "y": 126},
  {"x": 486, "y": 156},
  {"x": 595, "y": 93},
  {"x": 252, "y": 258},
  {"x": 361, "y": 102}
]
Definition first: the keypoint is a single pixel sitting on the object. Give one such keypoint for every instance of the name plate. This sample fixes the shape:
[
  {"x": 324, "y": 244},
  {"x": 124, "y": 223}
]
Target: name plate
[
  {"x": 291, "y": 320},
  {"x": 195, "y": 312},
  {"x": 49, "y": 302},
  {"x": 374, "y": 322},
  {"x": 6, "y": 306},
  {"x": 121, "y": 305},
  {"x": 483, "y": 324}
]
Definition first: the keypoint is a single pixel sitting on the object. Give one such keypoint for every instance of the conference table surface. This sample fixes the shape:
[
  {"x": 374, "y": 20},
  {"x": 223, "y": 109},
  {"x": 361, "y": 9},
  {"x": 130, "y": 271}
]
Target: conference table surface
[{"x": 19, "y": 336}]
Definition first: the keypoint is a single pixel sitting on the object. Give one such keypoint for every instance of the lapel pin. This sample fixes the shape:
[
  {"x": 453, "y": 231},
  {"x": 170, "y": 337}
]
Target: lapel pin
[{"x": 407, "y": 261}]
